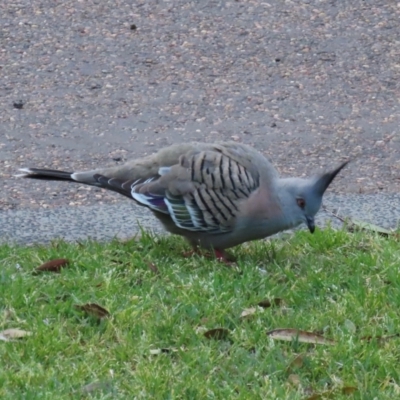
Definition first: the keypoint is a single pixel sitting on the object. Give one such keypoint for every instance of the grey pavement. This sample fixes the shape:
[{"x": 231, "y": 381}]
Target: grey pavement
[{"x": 123, "y": 220}]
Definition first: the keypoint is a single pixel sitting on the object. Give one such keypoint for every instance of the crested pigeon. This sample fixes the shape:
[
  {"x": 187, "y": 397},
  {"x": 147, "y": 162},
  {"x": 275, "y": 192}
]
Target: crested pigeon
[{"x": 215, "y": 195}]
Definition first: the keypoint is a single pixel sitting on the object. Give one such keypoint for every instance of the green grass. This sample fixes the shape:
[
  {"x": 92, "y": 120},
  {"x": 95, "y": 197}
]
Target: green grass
[{"x": 344, "y": 286}]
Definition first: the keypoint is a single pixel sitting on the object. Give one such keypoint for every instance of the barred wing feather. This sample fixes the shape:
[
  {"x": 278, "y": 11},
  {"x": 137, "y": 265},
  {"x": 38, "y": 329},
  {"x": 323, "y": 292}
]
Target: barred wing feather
[{"x": 217, "y": 184}]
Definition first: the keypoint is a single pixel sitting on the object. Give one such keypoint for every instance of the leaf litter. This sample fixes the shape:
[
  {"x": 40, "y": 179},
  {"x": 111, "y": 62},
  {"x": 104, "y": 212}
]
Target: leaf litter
[
  {"x": 165, "y": 350},
  {"x": 269, "y": 303},
  {"x": 263, "y": 304},
  {"x": 217, "y": 333},
  {"x": 332, "y": 394},
  {"x": 248, "y": 312},
  {"x": 297, "y": 362},
  {"x": 294, "y": 379},
  {"x": 153, "y": 268},
  {"x": 289, "y": 334},
  {"x": 53, "y": 265},
  {"x": 10, "y": 335},
  {"x": 93, "y": 309}
]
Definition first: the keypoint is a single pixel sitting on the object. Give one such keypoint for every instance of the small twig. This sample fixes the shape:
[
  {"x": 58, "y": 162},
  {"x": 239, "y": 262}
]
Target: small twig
[{"x": 333, "y": 214}]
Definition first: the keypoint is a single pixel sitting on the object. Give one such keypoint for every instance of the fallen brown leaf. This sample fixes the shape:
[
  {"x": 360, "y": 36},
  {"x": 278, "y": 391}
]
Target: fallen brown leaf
[
  {"x": 297, "y": 362},
  {"x": 153, "y": 268},
  {"x": 247, "y": 312},
  {"x": 93, "y": 309},
  {"x": 156, "y": 352},
  {"x": 217, "y": 333},
  {"x": 316, "y": 396},
  {"x": 9, "y": 335},
  {"x": 53, "y": 265},
  {"x": 294, "y": 379},
  {"x": 269, "y": 303},
  {"x": 290, "y": 334},
  {"x": 349, "y": 390}
]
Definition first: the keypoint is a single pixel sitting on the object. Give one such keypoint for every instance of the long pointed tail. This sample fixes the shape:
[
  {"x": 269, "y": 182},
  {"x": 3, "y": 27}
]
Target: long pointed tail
[
  {"x": 95, "y": 180},
  {"x": 45, "y": 174}
]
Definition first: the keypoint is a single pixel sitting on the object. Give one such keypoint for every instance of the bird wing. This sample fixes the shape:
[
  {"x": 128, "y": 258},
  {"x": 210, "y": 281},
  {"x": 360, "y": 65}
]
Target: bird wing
[{"x": 202, "y": 192}]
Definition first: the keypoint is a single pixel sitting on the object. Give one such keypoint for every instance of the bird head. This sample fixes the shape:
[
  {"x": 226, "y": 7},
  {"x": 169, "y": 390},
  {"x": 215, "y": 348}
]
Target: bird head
[{"x": 304, "y": 197}]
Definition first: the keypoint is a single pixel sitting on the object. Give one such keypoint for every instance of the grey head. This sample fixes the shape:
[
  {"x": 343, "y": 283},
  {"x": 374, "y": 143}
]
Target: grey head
[{"x": 301, "y": 198}]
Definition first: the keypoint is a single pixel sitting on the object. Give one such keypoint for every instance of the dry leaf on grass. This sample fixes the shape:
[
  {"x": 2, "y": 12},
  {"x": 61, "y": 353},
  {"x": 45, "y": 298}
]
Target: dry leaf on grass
[
  {"x": 93, "y": 309},
  {"x": 317, "y": 396},
  {"x": 349, "y": 389},
  {"x": 294, "y": 379},
  {"x": 156, "y": 352},
  {"x": 290, "y": 334},
  {"x": 269, "y": 303},
  {"x": 9, "y": 335},
  {"x": 297, "y": 362},
  {"x": 247, "y": 312},
  {"x": 53, "y": 265},
  {"x": 200, "y": 329},
  {"x": 217, "y": 333},
  {"x": 153, "y": 268}
]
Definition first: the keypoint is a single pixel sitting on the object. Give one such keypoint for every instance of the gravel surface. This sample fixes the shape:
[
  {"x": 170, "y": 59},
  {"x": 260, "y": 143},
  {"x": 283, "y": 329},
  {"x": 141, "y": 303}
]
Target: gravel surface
[{"x": 88, "y": 83}]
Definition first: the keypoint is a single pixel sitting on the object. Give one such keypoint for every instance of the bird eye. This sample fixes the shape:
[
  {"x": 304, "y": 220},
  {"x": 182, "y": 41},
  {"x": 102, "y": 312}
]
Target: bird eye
[{"x": 301, "y": 203}]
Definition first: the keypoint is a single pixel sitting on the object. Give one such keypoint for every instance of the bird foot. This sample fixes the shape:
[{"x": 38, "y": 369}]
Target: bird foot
[
  {"x": 224, "y": 257},
  {"x": 220, "y": 255}
]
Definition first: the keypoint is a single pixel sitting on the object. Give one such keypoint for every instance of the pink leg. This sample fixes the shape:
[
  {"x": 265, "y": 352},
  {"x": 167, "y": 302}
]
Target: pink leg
[
  {"x": 224, "y": 257},
  {"x": 220, "y": 255}
]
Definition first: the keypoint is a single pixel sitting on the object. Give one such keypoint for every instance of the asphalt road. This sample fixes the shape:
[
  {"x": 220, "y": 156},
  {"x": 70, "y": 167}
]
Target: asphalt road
[
  {"x": 124, "y": 220},
  {"x": 87, "y": 83}
]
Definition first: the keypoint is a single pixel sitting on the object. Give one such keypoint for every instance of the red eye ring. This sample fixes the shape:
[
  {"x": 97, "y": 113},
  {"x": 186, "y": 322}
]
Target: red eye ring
[{"x": 301, "y": 203}]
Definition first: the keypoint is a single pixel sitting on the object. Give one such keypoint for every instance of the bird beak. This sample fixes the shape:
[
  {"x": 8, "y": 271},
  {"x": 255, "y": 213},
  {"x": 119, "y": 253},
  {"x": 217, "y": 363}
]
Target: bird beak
[{"x": 311, "y": 224}]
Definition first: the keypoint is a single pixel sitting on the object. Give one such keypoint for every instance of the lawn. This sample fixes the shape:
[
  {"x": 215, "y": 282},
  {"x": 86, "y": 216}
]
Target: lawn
[{"x": 152, "y": 337}]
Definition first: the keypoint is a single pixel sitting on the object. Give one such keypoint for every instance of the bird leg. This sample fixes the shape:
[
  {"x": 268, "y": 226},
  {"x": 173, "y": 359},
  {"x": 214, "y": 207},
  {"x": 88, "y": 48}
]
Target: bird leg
[
  {"x": 220, "y": 255},
  {"x": 224, "y": 257}
]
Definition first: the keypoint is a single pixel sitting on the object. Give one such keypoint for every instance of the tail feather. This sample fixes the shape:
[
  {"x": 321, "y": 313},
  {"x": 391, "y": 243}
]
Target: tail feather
[
  {"x": 116, "y": 185},
  {"x": 98, "y": 180},
  {"x": 45, "y": 174}
]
